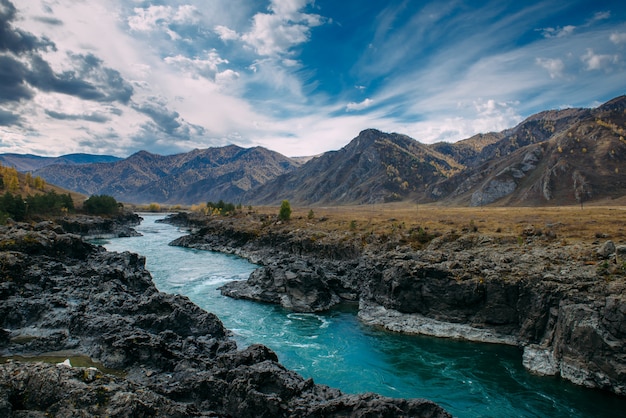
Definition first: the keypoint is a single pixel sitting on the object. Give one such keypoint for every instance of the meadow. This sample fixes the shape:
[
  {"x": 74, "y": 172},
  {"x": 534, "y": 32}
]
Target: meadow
[{"x": 568, "y": 224}]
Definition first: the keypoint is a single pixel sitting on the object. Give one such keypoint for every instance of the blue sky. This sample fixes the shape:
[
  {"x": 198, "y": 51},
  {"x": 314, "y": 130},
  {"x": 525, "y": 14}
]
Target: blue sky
[{"x": 299, "y": 77}]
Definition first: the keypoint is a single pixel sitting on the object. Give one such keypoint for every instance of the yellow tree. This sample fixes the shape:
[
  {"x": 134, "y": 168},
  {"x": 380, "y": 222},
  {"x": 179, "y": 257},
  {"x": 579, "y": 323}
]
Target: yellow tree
[
  {"x": 39, "y": 183},
  {"x": 10, "y": 179}
]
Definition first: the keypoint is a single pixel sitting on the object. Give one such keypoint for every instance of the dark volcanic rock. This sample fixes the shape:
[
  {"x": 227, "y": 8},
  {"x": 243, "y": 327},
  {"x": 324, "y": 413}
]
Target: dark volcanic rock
[
  {"x": 543, "y": 297},
  {"x": 92, "y": 227},
  {"x": 61, "y": 297}
]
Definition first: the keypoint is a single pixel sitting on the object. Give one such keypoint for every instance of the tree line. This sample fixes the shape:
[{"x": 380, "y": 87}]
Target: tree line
[{"x": 18, "y": 208}]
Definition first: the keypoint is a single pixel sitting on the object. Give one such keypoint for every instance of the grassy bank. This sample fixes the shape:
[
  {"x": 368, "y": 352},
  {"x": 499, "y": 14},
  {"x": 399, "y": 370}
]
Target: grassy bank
[{"x": 569, "y": 224}]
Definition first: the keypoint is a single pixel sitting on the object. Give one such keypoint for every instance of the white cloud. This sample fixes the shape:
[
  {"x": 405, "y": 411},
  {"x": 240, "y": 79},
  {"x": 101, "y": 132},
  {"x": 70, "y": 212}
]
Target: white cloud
[
  {"x": 554, "y": 66},
  {"x": 287, "y": 8},
  {"x": 198, "y": 67},
  {"x": 595, "y": 61},
  {"x": 186, "y": 14},
  {"x": 226, "y": 34},
  {"x": 274, "y": 34},
  {"x": 290, "y": 63},
  {"x": 353, "y": 106},
  {"x": 160, "y": 17},
  {"x": 600, "y": 16},
  {"x": 618, "y": 38},
  {"x": 146, "y": 20},
  {"x": 226, "y": 77},
  {"x": 558, "y": 32}
]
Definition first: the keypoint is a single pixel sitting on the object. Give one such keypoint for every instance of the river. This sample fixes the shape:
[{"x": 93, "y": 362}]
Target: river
[{"x": 468, "y": 379}]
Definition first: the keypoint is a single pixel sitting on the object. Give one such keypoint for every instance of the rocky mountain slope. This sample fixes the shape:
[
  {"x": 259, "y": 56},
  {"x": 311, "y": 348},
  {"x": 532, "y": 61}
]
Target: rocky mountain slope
[
  {"x": 374, "y": 167},
  {"x": 552, "y": 158},
  {"x": 557, "y": 157},
  {"x": 188, "y": 178},
  {"x": 144, "y": 353},
  {"x": 29, "y": 162}
]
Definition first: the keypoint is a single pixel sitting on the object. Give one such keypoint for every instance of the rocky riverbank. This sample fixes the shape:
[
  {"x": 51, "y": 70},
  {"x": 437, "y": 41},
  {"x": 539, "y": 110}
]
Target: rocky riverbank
[
  {"x": 141, "y": 352},
  {"x": 564, "y": 304},
  {"x": 98, "y": 227}
]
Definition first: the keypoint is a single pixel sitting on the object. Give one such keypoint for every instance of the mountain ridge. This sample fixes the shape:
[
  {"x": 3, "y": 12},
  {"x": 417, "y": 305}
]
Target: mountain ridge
[
  {"x": 31, "y": 162},
  {"x": 578, "y": 158},
  {"x": 554, "y": 157},
  {"x": 374, "y": 167},
  {"x": 187, "y": 178}
]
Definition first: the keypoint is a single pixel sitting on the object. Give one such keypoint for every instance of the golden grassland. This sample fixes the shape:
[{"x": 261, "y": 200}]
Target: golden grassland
[{"x": 568, "y": 224}]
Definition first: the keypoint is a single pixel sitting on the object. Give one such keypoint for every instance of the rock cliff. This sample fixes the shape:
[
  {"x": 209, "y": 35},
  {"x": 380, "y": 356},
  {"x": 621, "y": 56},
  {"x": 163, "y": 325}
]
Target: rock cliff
[
  {"x": 145, "y": 353},
  {"x": 97, "y": 227},
  {"x": 563, "y": 304}
]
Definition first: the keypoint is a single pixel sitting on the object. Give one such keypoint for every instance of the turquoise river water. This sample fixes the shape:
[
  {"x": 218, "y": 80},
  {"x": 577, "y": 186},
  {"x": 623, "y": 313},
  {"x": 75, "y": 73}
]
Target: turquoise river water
[{"x": 468, "y": 379}]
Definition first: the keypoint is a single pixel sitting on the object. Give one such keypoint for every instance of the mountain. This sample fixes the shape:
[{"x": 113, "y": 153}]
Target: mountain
[
  {"x": 466, "y": 151},
  {"x": 373, "y": 167},
  {"x": 555, "y": 157},
  {"x": 537, "y": 128},
  {"x": 552, "y": 158},
  {"x": 187, "y": 178},
  {"x": 29, "y": 162}
]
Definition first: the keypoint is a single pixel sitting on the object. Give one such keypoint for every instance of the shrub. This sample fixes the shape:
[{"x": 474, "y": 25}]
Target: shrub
[
  {"x": 101, "y": 205},
  {"x": 12, "y": 206},
  {"x": 50, "y": 203},
  {"x": 220, "y": 208},
  {"x": 285, "y": 211}
]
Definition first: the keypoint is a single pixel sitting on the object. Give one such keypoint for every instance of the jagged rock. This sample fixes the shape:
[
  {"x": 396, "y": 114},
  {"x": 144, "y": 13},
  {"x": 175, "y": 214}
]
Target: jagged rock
[
  {"x": 157, "y": 354},
  {"x": 540, "y": 360},
  {"x": 94, "y": 227},
  {"x": 492, "y": 191},
  {"x": 541, "y": 297},
  {"x": 606, "y": 250}
]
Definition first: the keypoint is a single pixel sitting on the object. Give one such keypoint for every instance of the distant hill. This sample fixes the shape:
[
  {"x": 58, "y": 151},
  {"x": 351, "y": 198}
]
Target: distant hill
[
  {"x": 373, "y": 167},
  {"x": 28, "y": 162},
  {"x": 197, "y": 176},
  {"x": 552, "y": 158}
]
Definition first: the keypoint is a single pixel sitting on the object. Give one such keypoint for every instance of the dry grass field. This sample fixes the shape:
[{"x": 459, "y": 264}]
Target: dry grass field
[{"x": 570, "y": 224}]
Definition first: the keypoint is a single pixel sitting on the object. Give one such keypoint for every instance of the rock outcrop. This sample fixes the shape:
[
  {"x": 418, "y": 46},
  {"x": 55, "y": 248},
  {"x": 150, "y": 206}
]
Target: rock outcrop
[
  {"x": 151, "y": 354},
  {"x": 97, "y": 227},
  {"x": 564, "y": 305}
]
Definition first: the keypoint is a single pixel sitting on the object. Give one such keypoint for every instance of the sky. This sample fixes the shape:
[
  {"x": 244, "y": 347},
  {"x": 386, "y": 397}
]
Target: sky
[{"x": 299, "y": 77}]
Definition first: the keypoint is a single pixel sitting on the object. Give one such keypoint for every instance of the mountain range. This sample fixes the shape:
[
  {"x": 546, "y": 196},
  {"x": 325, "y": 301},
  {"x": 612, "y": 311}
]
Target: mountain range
[
  {"x": 30, "y": 162},
  {"x": 196, "y": 176},
  {"x": 555, "y": 157}
]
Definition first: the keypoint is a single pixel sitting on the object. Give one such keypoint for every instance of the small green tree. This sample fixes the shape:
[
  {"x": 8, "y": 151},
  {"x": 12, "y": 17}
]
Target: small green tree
[{"x": 285, "y": 211}]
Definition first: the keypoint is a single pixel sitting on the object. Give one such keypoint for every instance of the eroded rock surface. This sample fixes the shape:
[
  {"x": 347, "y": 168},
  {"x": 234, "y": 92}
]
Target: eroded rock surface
[
  {"x": 94, "y": 227},
  {"x": 564, "y": 304},
  {"x": 161, "y": 355}
]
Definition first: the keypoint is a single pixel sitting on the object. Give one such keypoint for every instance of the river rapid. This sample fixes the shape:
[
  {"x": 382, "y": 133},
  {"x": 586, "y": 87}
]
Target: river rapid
[{"x": 468, "y": 379}]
